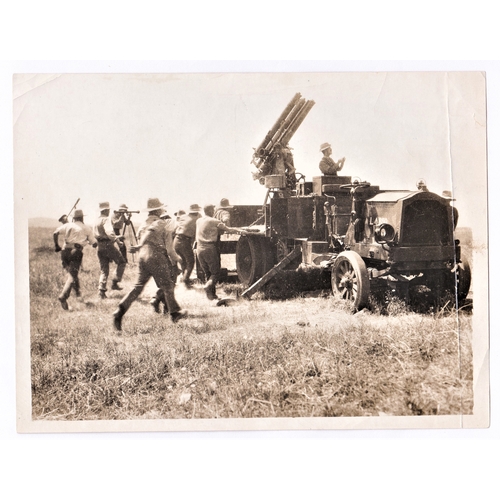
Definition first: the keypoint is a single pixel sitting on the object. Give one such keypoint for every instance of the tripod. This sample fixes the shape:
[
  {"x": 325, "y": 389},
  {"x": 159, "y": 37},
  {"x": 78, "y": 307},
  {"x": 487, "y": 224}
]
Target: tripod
[{"x": 132, "y": 237}]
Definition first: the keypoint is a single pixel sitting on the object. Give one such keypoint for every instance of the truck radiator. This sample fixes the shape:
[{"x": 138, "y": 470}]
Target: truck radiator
[{"x": 425, "y": 223}]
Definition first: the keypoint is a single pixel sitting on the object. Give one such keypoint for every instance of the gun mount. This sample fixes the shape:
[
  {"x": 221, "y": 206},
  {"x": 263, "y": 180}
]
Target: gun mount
[{"x": 273, "y": 158}]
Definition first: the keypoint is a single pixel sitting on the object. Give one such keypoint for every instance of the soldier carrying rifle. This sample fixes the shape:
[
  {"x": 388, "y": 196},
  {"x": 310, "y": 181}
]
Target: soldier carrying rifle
[{"x": 76, "y": 236}]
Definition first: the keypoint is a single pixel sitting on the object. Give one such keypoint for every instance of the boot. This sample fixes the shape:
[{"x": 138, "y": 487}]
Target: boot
[
  {"x": 156, "y": 305},
  {"x": 117, "y": 317},
  {"x": 115, "y": 286},
  {"x": 176, "y": 316},
  {"x": 64, "y": 303},
  {"x": 210, "y": 290}
]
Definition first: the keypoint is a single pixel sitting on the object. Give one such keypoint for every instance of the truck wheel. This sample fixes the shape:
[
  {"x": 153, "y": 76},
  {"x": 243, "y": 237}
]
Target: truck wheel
[
  {"x": 254, "y": 257},
  {"x": 350, "y": 279},
  {"x": 463, "y": 276}
]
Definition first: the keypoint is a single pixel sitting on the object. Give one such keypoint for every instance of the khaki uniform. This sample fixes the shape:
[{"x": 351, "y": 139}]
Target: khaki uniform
[
  {"x": 76, "y": 236},
  {"x": 155, "y": 238},
  {"x": 107, "y": 252}
]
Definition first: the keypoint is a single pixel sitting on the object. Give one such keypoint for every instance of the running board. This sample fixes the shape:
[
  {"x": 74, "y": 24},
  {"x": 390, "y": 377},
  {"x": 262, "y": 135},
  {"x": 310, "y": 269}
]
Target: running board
[{"x": 272, "y": 273}]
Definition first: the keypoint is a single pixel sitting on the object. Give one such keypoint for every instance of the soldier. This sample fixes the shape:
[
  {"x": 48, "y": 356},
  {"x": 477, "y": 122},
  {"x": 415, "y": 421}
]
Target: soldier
[
  {"x": 153, "y": 262},
  {"x": 207, "y": 231},
  {"x": 170, "y": 228},
  {"x": 447, "y": 195},
  {"x": 222, "y": 213},
  {"x": 76, "y": 236},
  {"x": 422, "y": 186},
  {"x": 179, "y": 213},
  {"x": 107, "y": 252},
  {"x": 184, "y": 240},
  {"x": 327, "y": 165},
  {"x": 118, "y": 221}
]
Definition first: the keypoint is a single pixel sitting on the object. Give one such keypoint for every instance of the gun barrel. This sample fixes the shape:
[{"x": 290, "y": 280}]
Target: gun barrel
[
  {"x": 278, "y": 122},
  {"x": 286, "y": 123},
  {"x": 299, "y": 118},
  {"x": 264, "y": 152}
]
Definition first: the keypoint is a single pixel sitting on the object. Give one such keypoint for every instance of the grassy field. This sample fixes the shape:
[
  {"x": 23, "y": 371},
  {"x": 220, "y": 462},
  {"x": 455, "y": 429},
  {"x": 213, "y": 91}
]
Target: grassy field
[{"x": 304, "y": 357}]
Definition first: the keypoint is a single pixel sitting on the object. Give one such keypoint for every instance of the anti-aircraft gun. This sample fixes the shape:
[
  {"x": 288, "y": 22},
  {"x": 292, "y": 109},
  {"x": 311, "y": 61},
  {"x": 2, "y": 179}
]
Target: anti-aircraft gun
[
  {"x": 366, "y": 239},
  {"x": 273, "y": 158}
]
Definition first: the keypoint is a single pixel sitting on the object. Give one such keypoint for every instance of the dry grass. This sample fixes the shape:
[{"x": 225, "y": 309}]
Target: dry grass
[{"x": 305, "y": 357}]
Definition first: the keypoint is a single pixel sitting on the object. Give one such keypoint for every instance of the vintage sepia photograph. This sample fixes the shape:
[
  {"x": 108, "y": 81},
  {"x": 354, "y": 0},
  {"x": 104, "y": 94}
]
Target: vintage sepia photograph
[{"x": 251, "y": 251}]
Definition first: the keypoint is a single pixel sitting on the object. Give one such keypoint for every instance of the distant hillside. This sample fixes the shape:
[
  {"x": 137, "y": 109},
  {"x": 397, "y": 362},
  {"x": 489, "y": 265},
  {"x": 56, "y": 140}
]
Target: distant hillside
[{"x": 43, "y": 222}]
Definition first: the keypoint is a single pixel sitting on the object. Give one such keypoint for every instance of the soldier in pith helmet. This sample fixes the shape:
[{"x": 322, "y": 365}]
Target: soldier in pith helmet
[{"x": 327, "y": 165}]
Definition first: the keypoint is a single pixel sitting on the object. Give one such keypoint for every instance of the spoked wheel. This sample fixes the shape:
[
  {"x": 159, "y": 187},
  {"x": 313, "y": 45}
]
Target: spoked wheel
[{"x": 350, "y": 279}]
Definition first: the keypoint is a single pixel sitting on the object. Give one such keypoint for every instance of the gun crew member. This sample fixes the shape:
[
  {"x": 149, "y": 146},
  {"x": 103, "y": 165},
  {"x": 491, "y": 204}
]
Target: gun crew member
[
  {"x": 154, "y": 262},
  {"x": 327, "y": 165},
  {"x": 119, "y": 220},
  {"x": 107, "y": 251},
  {"x": 170, "y": 228},
  {"x": 222, "y": 213},
  {"x": 208, "y": 229},
  {"x": 184, "y": 240},
  {"x": 76, "y": 235}
]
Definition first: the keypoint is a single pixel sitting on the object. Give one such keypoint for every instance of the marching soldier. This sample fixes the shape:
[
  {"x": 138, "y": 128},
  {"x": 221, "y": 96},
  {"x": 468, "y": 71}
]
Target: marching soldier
[
  {"x": 107, "y": 251},
  {"x": 153, "y": 262},
  {"x": 76, "y": 236}
]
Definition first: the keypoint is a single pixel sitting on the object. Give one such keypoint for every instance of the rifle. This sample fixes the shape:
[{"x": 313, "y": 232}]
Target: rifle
[{"x": 73, "y": 207}]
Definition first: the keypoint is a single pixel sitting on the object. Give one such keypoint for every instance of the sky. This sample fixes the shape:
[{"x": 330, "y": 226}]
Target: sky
[{"x": 189, "y": 138}]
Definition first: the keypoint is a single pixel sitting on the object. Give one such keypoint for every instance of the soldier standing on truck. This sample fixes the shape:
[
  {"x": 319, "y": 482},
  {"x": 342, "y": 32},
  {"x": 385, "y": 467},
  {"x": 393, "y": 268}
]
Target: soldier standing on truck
[{"x": 327, "y": 165}]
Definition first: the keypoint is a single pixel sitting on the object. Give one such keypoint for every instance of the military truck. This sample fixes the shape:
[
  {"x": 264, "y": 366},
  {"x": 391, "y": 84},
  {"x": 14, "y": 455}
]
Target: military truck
[{"x": 370, "y": 240}]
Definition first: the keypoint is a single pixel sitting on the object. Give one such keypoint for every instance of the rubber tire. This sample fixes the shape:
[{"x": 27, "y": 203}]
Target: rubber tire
[
  {"x": 463, "y": 275},
  {"x": 254, "y": 257},
  {"x": 350, "y": 279}
]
